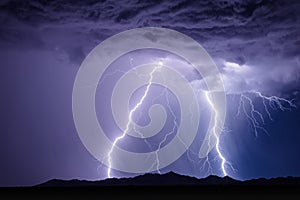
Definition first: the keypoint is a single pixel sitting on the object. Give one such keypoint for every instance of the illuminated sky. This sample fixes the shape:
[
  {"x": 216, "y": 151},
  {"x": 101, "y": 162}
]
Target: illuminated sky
[{"x": 255, "y": 45}]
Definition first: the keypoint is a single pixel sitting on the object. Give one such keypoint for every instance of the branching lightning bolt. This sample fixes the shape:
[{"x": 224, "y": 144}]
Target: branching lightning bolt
[
  {"x": 275, "y": 101},
  {"x": 246, "y": 106},
  {"x": 166, "y": 136},
  {"x": 254, "y": 117},
  {"x": 214, "y": 131},
  {"x": 130, "y": 119},
  {"x": 251, "y": 116}
]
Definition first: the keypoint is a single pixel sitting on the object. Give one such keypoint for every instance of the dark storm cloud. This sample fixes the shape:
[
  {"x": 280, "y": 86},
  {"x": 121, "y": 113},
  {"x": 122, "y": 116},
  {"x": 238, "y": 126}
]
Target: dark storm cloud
[
  {"x": 212, "y": 20},
  {"x": 261, "y": 34}
]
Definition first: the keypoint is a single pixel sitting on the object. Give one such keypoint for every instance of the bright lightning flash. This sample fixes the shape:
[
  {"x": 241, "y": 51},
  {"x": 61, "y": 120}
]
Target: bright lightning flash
[
  {"x": 214, "y": 131},
  {"x": 130, "y": 118},
  {"x": 254, "y": 117}
]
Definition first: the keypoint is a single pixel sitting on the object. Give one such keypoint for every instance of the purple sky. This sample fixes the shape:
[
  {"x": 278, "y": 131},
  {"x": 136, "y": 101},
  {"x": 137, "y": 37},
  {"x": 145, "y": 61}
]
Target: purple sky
[{"x": 255, "y": 44}]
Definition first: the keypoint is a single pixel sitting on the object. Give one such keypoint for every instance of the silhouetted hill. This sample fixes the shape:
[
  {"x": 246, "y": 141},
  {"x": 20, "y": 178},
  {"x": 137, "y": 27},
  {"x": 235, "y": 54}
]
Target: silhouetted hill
[
  {"x": 165, "y": 186},
  {"x": 173, "y": 179}
]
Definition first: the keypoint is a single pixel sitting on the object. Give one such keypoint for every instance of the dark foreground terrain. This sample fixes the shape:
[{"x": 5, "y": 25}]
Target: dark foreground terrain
[
  {"x": 165, "y": 186},
  {"x": 173, "y": 179}
]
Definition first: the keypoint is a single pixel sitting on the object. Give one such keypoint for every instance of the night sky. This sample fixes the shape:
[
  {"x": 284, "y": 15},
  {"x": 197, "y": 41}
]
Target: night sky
[{"x": 255, "y": 45}]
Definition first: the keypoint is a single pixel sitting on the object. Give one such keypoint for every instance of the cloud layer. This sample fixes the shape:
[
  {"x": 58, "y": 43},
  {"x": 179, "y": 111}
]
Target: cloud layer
[{"x": 261, "y": 35}]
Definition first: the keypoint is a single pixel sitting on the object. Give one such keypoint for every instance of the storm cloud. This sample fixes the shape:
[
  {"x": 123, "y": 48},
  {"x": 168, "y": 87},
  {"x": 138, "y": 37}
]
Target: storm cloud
[{"x": 260, "y": 34}]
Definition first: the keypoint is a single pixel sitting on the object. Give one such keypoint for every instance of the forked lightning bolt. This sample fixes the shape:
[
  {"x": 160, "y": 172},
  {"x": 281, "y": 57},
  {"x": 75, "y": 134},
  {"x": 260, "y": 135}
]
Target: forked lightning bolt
[
  {"x": 214, "y": 131},
  {"x": 175, "y": 125},
  {"x": 252, "y": 114},
  {"x": 130, "y": 119},
  {"x": 275, "y": 101},
  {"x": 254, "y": 117}
]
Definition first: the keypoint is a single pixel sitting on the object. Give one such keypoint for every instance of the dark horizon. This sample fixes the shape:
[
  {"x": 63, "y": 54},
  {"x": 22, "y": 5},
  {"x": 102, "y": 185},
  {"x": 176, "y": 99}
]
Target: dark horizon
[{"x": 173, "y": 179}]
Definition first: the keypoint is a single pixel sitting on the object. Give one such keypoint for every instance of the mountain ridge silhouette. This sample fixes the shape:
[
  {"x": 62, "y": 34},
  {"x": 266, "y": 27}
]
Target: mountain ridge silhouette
[{"x": 173, "y": 179}]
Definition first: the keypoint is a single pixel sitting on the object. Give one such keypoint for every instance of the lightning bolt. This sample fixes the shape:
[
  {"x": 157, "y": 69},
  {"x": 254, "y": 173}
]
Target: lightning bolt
[
  {"x": 214, "y": 131},
  {"x": 175, "y": 125},
  {"x": 252, "y": 114},
  {"x": 246, "y": 106},
  {"x": 130, "y": 119},
  {"x": 275, "y": 101},
  {"x": 255, "y": 118}
]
